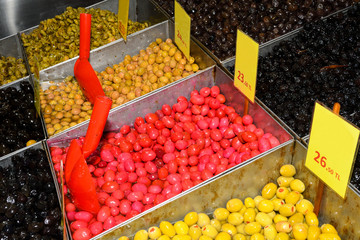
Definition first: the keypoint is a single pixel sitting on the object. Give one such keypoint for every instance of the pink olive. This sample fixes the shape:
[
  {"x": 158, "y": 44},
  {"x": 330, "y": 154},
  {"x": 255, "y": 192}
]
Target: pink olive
[
  {"x": 83, "y": 216},
  {"x": 82, "y": 234}
]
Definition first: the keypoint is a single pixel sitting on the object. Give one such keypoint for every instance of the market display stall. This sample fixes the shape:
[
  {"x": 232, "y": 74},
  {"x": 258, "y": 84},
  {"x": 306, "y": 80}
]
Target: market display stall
[{"x": 179, "y": 142}]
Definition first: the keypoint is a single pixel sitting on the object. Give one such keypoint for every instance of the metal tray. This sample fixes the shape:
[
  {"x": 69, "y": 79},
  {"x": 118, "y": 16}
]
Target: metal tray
[
  {"x": 210, "y": 77},
  {"x": 11, "y": 46},
  {"x": 240, "y": 182},
  {"x": 5, "y": 161},
  {"x": 267, "y": 48},
  {"x": 139, "y": 10},
  {"x": 218, "y": 60},
  {"x": 16, "y": 84},
  {"x": 248, "y": 181},
  {"x": 115, "y": 52}
]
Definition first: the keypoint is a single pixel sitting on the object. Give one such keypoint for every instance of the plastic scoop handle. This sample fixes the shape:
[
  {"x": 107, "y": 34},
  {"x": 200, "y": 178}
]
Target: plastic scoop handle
[
  {"x": 83, "y": 71},
  {"x": 85, "y": 34},
  {"x": 97, "y": 123}
]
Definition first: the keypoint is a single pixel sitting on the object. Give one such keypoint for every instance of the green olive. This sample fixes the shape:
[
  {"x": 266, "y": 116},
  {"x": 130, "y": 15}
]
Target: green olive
[
  {"x": 49, "y": 38},
  {"x": 11, "y": 69}
]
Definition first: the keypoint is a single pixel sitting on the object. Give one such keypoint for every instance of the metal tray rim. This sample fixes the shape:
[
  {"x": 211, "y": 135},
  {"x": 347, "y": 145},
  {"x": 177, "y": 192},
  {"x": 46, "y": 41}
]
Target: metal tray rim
[{"x": 14, "y": 82}]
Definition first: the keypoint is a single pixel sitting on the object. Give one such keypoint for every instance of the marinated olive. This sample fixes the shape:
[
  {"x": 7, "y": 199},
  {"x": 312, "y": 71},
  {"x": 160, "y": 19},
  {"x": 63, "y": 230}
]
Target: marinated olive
[
  {"x": 57, "y": 39},
  {"x": 11, "y": 69}
]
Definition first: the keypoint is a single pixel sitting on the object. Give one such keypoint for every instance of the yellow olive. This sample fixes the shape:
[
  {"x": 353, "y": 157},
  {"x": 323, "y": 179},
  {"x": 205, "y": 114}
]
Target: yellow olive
[
  {"x": 141, "y": 235},
  {"x": 252, "y": 228},
  {"x": 266, "y": 206},
  {"x": 240, "y": 228},
  {"x": 300, "y": 231},
  {"x": 191, "y": 218},
  {"x": 278, "y": 203},
  {"x": 313, "y": 232},
  {"x": 203, "y": 220},
  {"x": 329, "y": 236},
  {"x": 257, "y": 200},
  {"x": 195, "y": 232},
  {"x": 123, "y": 238},
  {"x": 221, "y": 214},
  {"x": 263, "y": 219},
  {"x": 216, "y": 224},
  {"x": 243, "y": 209},
  {"x": 328, "y": 228},
  {"x": 30, "y": 142},
  {"x": 270, "y": 232},
  {"x": 296, "y": 218},
  {"x": 257, "y": 236},
  {"x": 284, "y": 181},
  {"x": 181, "y": 228},
  {"x": 203, "y": 237},
  {"x": 269, "y": 191},
  {"x": 249, "y": 215},
  {"x": 282, "y": 236},
  {"x": 154, "y": 232},
  {"x": 167, "y": 228},
  {"x": 239, "y": 236},
  {"x": 283, "y": 227},
  {"x": 287, "y": 209},
  {"x": 229, "y": 228},
  {"x": 287, "y": 170},
  {"x": 279, "y": 218},
  {"x": 271, "y": 214},
  {"x": 293, "y": 197},
  {"x": 297, "y": 185},
  {"x": 249, "y": 202},
  {"x": 223, "y": 236},
  {"x": 282, "y": 192},
  {"x": 181, "y": 237},
  {"x": 311, "y": 219},
  {"x": 235, "y": 218},
  {"x": 304, "y": 206},
  {"x": 234, "y": 205},
  {"x": 209, "y": 231}
]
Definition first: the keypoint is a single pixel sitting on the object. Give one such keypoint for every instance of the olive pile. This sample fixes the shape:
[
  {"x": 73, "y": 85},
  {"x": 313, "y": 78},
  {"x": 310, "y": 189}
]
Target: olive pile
[
  {"x": 279, "y": 213},
  {"x": 321, "y": 63},
  {"x": 19, "y": 121},
  {"x": 11, "y": 69},
  {"x": 57, "y": 39},
  {"x": 29, "y": 208},
  {"x": 64, "y": 105},
  {"x": 214, "y": 22}
]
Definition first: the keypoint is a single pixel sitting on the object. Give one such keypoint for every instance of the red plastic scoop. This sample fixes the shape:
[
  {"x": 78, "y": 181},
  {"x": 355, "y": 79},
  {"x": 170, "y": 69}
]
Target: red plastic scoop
[
  {"x": 77, "y": 175},
  {"x": 84, "y": 73},
  {"x": 80, "y": 184}
]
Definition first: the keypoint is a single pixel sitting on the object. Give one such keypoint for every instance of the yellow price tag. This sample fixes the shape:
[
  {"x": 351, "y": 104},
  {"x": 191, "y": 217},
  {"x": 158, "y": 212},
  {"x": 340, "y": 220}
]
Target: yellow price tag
[
  {"x": 182, "y": 29},
  {"x": 332, "y": 148},
  {"x": 123, "y": 17},
  {"x": 247, "y": 53}
]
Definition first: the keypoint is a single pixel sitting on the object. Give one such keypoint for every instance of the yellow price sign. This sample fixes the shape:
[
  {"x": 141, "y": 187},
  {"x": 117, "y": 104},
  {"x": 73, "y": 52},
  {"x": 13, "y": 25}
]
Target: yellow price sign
[
  {"x": 332, "y": 148},
  {"x": 182, "y": 29},
  {"x": 123, "y": 17},
  {"x": 246, "y": 62}
]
